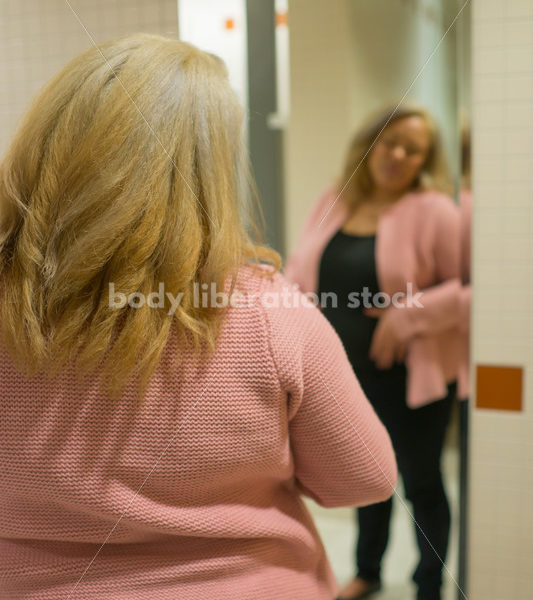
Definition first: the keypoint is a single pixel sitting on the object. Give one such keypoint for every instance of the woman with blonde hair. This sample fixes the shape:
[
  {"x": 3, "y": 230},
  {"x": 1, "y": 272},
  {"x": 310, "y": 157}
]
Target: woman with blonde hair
[
  {"x": 153, "y": 444},
  {"x": 385, "y": 241}
]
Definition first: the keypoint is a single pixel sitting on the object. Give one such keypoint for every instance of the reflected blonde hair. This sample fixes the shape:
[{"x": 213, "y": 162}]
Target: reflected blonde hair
[
  {"x": 434, "y": 173},
  {"x": 130, "y": 170}
]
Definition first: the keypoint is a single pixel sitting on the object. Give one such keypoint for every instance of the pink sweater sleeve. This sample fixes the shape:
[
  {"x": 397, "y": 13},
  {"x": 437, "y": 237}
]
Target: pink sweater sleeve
[
  {"x": 466, "y": 226},
  {"x": 440, "y": 308},
  {"x": 342, "y": 453},
  {"x": 465, "y": 298}
]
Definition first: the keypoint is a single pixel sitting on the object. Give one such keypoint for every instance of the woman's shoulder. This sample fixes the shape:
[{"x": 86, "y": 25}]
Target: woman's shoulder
[
  {"x": 431, "y": 202},
  {"x": 271, "y": 289},
  {"x": 465, "y": 199},
  {"x": 262, "y": 278},
  {"x": 435, "y": 199}
]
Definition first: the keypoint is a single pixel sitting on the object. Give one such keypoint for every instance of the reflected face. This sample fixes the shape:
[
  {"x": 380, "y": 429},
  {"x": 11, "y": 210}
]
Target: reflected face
[{"x": 399, "y": 154}]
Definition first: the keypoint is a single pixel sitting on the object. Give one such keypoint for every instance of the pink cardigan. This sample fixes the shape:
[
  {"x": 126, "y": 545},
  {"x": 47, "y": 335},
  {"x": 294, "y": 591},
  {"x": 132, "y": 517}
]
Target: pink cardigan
[
  {"x": 465, "y": 206},
  {"x": 418, "y": 241},
  {"x": 219, "y": 455}
]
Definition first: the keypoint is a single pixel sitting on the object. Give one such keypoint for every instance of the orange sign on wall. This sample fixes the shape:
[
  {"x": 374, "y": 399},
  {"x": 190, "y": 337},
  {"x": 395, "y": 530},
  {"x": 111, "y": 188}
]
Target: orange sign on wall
[
  {"x": 282, "y": 18},
  {"x": 499, "y": 388}
]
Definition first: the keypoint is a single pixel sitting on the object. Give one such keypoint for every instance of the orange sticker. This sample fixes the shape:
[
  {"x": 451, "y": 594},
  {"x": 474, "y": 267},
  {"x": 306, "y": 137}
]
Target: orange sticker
[
  {"x": 499, "y": 388},
  {"x": 229, "y": 23},
  {"x": 282, "y": 18}
]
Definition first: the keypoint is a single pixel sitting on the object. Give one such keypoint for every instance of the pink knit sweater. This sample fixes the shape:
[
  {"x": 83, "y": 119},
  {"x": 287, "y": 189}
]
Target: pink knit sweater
[
  {"x": 418, "y": 243},
  {"x": 206, "y": 475}
]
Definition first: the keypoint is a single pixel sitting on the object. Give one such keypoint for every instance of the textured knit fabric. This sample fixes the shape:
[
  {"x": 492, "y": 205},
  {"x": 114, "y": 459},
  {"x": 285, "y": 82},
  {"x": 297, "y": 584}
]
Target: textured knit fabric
[
  {"x": 417, "y": 243},
  {"x": 197, "y": 493}
]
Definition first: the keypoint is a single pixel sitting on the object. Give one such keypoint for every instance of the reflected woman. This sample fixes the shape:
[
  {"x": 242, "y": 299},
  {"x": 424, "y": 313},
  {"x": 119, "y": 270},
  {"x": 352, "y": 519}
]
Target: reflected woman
[{"x": 386, "y": 242}]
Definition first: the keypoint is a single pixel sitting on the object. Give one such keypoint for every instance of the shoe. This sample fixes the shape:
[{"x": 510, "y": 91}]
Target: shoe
[{"x": 373, "y": 588}]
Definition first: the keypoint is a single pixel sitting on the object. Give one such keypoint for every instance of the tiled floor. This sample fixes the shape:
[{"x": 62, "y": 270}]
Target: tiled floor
[{"x": 337, "y": 528}]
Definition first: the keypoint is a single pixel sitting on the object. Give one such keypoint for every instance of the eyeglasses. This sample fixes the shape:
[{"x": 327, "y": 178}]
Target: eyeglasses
[{"x": 411, "y": 150}]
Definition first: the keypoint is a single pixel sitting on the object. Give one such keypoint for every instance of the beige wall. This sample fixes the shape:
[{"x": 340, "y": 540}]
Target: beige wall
[
  {"x": 321, "y": 58},
  {"x": 348, "y": 57},
  {"x": 37, "y": 37},
  {"x": 501, "y": 500}
]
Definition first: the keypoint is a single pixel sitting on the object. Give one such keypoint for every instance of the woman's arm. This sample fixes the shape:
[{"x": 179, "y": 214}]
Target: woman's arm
[
  {"x": 440, "y": 303},
  {"x": 342, "y": 453}
]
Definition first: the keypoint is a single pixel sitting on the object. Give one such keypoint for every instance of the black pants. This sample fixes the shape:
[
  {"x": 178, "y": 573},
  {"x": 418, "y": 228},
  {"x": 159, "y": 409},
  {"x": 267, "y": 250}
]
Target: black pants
[{"x": 418, "y": 437}]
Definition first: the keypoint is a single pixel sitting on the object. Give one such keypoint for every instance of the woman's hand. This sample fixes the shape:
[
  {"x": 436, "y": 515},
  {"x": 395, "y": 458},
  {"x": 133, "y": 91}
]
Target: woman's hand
[{"x": 386, "y": 348}]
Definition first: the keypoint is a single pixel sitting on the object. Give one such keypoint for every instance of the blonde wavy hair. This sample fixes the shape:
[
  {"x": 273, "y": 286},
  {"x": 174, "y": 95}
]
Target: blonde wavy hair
[
  {"x": 129, "y": 170},
  {"x": 434, "y": 173}
]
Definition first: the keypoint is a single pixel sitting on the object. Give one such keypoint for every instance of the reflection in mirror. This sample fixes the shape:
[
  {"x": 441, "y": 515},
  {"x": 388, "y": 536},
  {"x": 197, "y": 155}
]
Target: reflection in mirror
[{"x": 379, "y": 219}]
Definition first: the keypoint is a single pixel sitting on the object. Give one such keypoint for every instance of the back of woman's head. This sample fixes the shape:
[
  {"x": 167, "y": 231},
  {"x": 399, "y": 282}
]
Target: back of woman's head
[{"x": 128, "y": 169}]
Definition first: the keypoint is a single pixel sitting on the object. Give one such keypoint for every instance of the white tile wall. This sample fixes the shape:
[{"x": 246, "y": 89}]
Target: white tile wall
[
  {"x": 37, "y": 37},
  {"x": 501, "y": 485}
]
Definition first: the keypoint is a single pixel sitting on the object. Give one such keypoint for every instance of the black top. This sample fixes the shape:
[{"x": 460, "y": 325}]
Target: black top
[{"x": 347, "y": 267}]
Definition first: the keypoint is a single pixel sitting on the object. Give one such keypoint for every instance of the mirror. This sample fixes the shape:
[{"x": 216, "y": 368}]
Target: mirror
[{"x": 348, "y": 58}]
